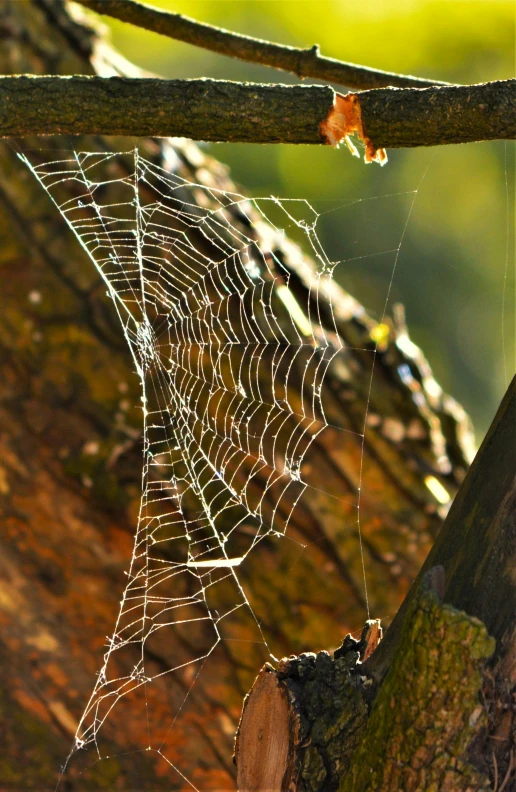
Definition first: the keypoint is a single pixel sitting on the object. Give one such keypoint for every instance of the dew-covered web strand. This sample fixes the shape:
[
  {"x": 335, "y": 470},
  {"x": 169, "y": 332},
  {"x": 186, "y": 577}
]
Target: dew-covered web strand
[
  {"x": 248, "y": 453},
  {"x": 370, "y": 386},
  {"x": 222, "y": 543},
  {"x": 175, "y": 303},
  {"x": 112, "y": 642},
  {"x": 262, "y": 401}
]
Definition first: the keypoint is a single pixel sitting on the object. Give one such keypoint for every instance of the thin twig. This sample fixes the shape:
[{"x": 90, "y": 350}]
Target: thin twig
[{"x": 303, "y": 62}]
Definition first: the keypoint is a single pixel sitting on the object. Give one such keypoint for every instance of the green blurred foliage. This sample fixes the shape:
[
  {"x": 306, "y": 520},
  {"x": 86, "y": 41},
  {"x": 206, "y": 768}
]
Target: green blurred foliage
[{"x": 452, "y": 208}]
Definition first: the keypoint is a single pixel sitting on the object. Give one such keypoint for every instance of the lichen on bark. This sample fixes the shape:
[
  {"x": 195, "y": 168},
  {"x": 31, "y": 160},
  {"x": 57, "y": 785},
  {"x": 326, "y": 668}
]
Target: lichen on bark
[{"x": 428, "y": 710}]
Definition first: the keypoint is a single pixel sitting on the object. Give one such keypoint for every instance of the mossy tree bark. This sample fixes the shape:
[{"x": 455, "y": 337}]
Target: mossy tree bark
[{"x": 70, "y": 473}]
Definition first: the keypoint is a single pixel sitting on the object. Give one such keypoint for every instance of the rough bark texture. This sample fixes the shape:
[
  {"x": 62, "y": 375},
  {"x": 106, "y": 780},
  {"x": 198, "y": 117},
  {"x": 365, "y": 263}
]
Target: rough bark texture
[
  {"x": 476, "y": 549},
  {"x": 199, "y": 109},
  {"x": 70, "y": 480},
  {"x": 218, "y": 110},
  {"x": 302, "y": 62},
  {"x": 428, "y": 709},
  {"x": 432, "y": 116},
  {"x": 411, "y": 734}
]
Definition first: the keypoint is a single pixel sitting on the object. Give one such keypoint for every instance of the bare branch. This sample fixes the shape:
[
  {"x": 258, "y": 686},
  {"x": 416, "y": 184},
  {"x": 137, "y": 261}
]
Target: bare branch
[
  {"x": 407, "y": 118},
  {"x": 217, "y": 110},
  {"x": 212, "y": 110},
  {"x": 303, "y": 62}
]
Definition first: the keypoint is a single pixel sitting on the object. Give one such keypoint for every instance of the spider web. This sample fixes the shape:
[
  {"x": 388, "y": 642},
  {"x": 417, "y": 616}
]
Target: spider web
[{"x": 231, "y": 364}]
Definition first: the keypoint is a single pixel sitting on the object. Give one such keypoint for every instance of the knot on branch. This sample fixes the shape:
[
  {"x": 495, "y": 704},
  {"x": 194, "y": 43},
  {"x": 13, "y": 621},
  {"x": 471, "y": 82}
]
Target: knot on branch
[{"x": 305, "y": 61}]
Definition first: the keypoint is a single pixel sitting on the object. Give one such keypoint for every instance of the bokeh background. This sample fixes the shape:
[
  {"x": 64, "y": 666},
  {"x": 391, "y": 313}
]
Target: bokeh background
[{"x": 455, "y": 270}]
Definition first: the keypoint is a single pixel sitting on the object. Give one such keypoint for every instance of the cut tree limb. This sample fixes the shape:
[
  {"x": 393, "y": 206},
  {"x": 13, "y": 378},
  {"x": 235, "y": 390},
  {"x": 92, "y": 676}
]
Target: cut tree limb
[
  {"x": 409, "y": 715},
  {"x": 217, "y": 110},
  {"x": 317, "y": 724},
  {"x": 313, "y": 709},
  {"x": 428, "y": 709},
  {"x": 302, "y": 62}
]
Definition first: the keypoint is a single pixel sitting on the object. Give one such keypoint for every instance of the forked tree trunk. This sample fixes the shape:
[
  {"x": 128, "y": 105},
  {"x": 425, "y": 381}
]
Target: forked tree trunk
[{"x": 70, "y": 466}]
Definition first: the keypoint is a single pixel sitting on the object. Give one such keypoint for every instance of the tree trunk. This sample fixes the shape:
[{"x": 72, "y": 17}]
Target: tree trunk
[
  {"x": 70, "y": 479},
  {"x": 432, "y": 706}
]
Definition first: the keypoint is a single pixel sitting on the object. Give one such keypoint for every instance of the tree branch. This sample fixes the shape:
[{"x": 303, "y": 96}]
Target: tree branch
[
  {"x": 475, "y": 552},
  {"x": 303, "y": 62},
  {"x": 310, "y": 725},
  {"x": 216, "y": 110},
  {"x": 397, "y": 118},
  {"x": 476, "y": 545},
  {"x": 427, "y": 711},
  {"x": 203, "y": 109}
]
